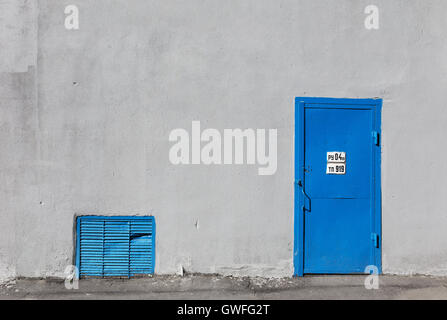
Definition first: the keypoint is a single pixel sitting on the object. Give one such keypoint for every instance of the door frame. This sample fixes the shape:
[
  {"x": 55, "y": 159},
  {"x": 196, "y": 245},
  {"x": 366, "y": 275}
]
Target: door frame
[{"x": 340, "y": 103}]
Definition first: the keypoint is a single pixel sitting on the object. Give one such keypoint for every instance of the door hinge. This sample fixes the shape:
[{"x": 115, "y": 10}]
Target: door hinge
[
  {"x": 376, "y": 138},
  {"x": 375, "y": 239}
]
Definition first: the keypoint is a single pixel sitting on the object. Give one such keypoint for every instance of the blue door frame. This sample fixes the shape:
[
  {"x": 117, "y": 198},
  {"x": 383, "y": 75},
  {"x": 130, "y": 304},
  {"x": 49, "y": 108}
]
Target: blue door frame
[{"x": 300, "y": 197}]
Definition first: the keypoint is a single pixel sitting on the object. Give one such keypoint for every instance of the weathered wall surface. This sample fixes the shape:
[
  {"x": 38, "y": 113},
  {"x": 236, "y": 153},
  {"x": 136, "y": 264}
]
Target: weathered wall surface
[
  {"x": 86, "y": 115},
  {"x": 18, "y": 133}
]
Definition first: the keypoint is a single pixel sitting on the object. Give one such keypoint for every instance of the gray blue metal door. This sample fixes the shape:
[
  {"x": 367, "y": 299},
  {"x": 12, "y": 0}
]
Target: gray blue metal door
[{"x": 337, "y": 185}]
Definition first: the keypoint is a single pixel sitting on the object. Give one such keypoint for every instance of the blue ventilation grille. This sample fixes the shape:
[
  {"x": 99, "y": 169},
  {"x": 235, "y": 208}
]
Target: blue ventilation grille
[{"x": 115, "y": 246}]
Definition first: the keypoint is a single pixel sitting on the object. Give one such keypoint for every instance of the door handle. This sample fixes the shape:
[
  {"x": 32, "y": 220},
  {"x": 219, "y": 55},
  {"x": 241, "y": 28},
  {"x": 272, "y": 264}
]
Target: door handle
[{"x": 306, "y": 206}]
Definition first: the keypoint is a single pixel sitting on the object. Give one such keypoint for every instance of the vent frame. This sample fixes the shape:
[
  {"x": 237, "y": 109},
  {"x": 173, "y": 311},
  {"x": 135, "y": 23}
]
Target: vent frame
[{"x": 115, "y": 246}]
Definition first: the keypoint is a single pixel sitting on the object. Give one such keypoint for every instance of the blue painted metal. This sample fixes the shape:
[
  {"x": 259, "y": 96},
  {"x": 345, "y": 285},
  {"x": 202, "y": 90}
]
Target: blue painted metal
[
  {"x": 337, "y": 216},
  {"x": 375, "y": 239},
  {"x": 118, "y": 246},
  {"x": 78, "y": 245},
  {"x": 376, "y": 138}
]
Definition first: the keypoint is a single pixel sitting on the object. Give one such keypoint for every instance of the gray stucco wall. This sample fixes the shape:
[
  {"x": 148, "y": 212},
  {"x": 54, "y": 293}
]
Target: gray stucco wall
[{"x": 85, "y": 118}]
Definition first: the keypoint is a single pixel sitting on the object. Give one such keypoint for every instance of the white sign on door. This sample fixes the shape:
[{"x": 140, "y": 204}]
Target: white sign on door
[
  {"x": 336, "y": 162},
  {"x": 336, "y": 156},
  {"x": 336, "y": 168}
]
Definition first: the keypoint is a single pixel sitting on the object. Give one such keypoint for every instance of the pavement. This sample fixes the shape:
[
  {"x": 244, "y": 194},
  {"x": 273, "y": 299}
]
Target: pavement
[{"x": 204, "y": 287}]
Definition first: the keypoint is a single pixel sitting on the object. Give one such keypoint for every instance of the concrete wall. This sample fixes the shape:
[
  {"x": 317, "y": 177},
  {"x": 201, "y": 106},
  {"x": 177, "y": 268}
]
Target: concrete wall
[
  {"x": 85, "y": 118},
  {"x": 19, "y": 183}
]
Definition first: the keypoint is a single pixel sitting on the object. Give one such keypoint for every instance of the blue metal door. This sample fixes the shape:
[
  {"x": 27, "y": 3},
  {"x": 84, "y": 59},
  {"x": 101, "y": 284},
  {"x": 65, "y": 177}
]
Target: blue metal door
[{"x": 337, "y": 185}]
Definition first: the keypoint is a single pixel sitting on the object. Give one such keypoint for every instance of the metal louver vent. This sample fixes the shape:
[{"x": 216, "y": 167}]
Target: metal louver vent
[{"x": 121, "y": 246}]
